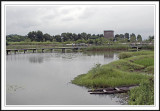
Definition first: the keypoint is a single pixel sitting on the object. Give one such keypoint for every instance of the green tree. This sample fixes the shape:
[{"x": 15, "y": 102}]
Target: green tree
[
  {"x": 47, "y": 37},
  {"x": 90, "y": 41},
  {"x": 116, "y": 37},
  {"x": 15, "y": 38},
  {"x": 132, "y": 37},
  {"x": 139, "y": 38},
  {"x": 58, "y": 38},
  {"x": 88, "y": 36},
  {"x": 126, "y": 35},
  {"x": 79, "y": 36},
  {"x": 32, "y": 35},
  {"x": 121, "y": 36},
  {"x": 84, "y": 36},
  {"x": 75, "y": 37},
  {"x": 39, "y": 36},
  {"x": 151, "y": 38}
]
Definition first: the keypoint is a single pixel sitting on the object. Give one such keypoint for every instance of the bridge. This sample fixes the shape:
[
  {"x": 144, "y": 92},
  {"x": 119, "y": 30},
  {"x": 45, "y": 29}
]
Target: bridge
[
  {"x": 135, "y": 47},
  {"x": 138, "y": 46},
  {"x": 42, "y": 49}
]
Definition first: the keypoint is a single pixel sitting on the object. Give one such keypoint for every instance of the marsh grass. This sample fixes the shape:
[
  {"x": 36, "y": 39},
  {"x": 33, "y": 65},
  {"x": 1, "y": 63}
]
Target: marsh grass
[
  {"x": 108, "y": 47},
  {"x": 137, "y": 68},
  {"x": 144, "y": 94},
  {"x": 117, "y": 73},
  {"x": 130, "y": 54}
]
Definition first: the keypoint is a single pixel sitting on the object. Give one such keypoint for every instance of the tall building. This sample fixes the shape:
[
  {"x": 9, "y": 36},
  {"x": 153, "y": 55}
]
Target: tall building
[{"x": 108, "y": 34}]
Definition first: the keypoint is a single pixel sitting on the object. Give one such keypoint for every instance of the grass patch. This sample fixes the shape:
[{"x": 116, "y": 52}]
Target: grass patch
[
  {"x": 137, "y": 68},
  {"x": 108, "y": 47},
  {"x": 130, "y": 54},
  {"x": 108, "y": 77},
  {"x": 144, "y": 94}
]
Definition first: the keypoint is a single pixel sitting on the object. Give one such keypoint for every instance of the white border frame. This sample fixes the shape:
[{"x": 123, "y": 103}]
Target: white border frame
[{"x": 79, "y": 107}]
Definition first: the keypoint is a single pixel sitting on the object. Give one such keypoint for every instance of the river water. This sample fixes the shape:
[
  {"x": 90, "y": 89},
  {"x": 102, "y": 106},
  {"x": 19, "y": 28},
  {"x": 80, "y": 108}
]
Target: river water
[{"x": 45, "y": 78}]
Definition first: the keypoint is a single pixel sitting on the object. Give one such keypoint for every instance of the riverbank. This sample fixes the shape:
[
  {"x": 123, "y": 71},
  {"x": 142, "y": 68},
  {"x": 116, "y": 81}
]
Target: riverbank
[
  {"x": 132, "y": 68},
  {"x": 88, "y": 47}
]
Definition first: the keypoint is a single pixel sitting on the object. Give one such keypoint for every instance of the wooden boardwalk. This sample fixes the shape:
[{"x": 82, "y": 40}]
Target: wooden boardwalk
[{"x": 42, "y": 49}]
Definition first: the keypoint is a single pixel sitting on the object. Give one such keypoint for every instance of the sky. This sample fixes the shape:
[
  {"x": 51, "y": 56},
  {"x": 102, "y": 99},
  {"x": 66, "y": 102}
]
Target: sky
[{"x": 93, "y": 19}]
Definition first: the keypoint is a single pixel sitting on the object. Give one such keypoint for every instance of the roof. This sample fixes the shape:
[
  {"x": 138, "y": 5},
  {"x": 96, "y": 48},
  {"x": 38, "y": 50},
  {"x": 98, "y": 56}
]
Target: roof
[{"x": 109, "y": 30}]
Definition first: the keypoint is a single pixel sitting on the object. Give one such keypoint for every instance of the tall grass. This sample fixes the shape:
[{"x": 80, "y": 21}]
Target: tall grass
[
  {"x": 108, "y": 77},
  {"x": 130, "y": 54},
  {"x": 23, "y": 45},
  {"x": 144, "y": 94},
  {"x": 136, "y": 69},
  {"x": 148, "y": 47},
  {"x": 107, "y": 47},
  {"x": 32, "y": 43}
]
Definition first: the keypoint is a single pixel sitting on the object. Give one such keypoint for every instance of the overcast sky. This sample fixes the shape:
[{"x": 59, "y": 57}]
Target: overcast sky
[{"x": 93, "y": 19}]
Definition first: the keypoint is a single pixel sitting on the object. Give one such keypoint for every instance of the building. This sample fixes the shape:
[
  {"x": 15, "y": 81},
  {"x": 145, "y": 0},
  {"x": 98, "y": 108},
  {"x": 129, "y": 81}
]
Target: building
[{"x": 108, "y": 34}]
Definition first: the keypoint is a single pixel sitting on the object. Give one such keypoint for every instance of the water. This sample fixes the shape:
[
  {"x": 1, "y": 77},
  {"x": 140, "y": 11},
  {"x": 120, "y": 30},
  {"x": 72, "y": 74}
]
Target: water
[{"x": 45, "y": 79}]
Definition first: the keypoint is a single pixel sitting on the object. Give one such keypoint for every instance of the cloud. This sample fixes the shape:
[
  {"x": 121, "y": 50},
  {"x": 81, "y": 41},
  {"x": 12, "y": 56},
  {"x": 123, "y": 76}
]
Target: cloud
[{"x": 93, "y": 19}]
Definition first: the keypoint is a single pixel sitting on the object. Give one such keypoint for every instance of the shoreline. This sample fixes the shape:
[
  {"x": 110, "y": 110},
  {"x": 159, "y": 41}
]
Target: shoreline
[{"x": 131, "y": 68}]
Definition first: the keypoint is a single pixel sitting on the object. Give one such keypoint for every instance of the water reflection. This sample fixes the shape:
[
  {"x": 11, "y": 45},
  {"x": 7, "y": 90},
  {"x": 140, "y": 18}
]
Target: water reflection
[
  {"x": 36, "y": 59},
  {"x": 108, "y": 55}
]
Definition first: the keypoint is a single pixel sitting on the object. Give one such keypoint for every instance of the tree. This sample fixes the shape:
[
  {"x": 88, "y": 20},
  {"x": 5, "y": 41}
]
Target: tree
[
  {"x": 15, "y": 38},
  {"x": 84, "y": 36},
  {"x": 139, "y": 38},
  {"x": 132, "y": 38},
  {"x": 69, "y": 36},
  {"x": 58, "y": 38},
  {"x": 88, "y": 36},
  {"x": 126, "y": 35},
  {"x": 79, "y": 36},
  {"x": 116, "y": 37},
  {"x": 32, "y": 36},
  {"x": 39, "y": 36},
  {"x": 47, "y": 37},
  {"x": 75, "y": 37},
  {"x": 90, "y": 41},
  {"x": 151, "y": 38},
  {"x": 121, "y": 36}
]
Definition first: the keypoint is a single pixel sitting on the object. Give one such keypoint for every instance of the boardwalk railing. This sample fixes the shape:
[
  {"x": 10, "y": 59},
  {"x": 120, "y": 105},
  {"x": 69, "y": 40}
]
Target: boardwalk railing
[{"x": 42, "y": 49}]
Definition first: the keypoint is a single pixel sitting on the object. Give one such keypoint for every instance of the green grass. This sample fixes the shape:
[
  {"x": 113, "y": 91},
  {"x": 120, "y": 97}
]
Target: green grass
[
  {"x": 23, "y": 45},
  {"x": 148, "y": 47},
  {"x": 133, "y": 69},
  {"x": 107, "y": 77},
  {"x": 32, "y": 43},
  {"x": 130, "y": 54},
  {"x": 107, "y": 47},
  {"x": 144, "y": 94}
]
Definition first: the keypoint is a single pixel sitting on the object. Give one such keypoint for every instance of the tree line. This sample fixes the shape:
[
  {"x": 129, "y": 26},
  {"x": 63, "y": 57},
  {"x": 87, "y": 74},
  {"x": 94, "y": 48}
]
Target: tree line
[{"x": 38, "y": 36}]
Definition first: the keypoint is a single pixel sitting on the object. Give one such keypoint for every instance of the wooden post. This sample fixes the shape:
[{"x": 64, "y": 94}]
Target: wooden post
[
  {"x": 34, "y": 50},
  {"x": 63, "y": 50},
  {"x": 42, "y": 50},
  {"x": 7, "y": 51},
  {"x": 25, "y": 51},
  {"x": 15, "y": 51},
  {"x": 51, "y": 50}
]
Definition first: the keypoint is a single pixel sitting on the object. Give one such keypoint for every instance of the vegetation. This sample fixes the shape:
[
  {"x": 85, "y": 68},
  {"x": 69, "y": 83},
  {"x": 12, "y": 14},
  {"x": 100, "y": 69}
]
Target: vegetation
[
  {"x": 123, "y": 55},
  {"x": 108, "y": 47},
  {"x": 132, "y": 68},
  {"x": 98, "y": 39},
  {"x": 144, "y": 94},
  {"x": 36, "y": 39}
]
